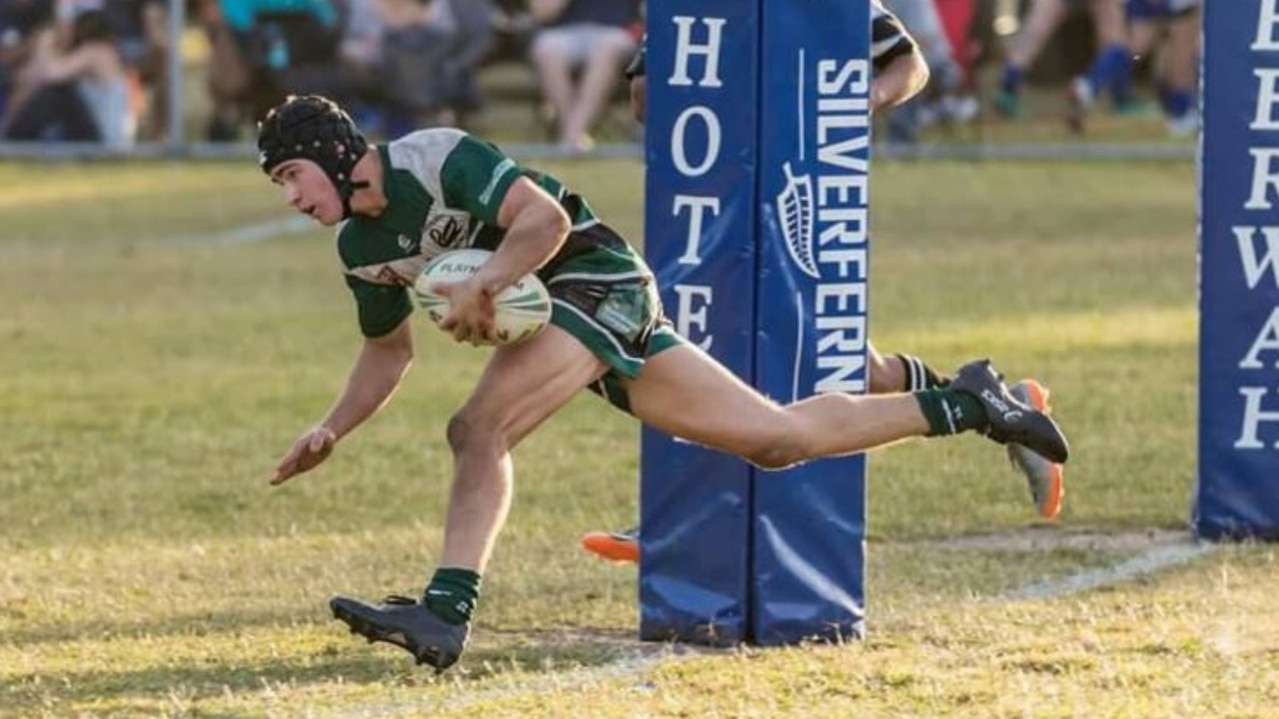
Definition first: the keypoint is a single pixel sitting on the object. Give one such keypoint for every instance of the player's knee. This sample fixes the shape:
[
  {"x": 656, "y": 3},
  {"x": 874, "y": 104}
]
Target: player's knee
[{"x": 468, "y": 433}]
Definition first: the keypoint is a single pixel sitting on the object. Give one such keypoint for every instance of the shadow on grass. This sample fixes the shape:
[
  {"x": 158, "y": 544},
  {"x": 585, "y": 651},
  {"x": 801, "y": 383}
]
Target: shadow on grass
[
  {"x": 181, "y": 626},
  {"x": 336, "y": 661}
]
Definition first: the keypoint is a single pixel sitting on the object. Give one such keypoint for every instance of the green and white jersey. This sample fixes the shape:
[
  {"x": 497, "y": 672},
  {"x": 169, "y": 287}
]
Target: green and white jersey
[{"x": 444, "y": 189}]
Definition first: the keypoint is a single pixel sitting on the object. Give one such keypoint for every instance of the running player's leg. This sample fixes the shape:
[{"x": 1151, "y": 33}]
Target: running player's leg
[
  {"x": 520, "y": 388},
  {"x": 1143, "y": 28},
  {"x": 888, "y": 374},
  {"x": 686, "y": 393},
  {"x": 1040, "y": 24},
  {"x": 1181, "y": 69},
  {"x": 1111, "y": 69}
]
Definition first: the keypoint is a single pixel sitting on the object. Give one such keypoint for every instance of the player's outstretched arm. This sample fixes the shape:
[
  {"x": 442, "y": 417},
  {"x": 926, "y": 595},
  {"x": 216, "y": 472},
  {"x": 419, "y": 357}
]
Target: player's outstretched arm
[{"x": 378, "y": 370}]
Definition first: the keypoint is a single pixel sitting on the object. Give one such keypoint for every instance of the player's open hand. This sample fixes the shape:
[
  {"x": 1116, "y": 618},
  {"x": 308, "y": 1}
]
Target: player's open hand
[
  {"x": 470, "y": 316},
  {"x": 307, "y": 452}
]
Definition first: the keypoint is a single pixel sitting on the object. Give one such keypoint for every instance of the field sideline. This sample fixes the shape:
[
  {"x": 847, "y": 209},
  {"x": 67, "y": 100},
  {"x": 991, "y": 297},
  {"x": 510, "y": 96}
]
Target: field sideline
[{"x": 153, "y": 371}]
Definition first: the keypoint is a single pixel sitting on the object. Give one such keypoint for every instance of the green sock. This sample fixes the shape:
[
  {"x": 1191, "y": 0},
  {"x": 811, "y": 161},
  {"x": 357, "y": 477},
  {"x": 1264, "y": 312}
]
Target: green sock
[
  {"x": 452, "y": 594},
  {"x": 950, "y": 412},
  {"x": 919, "y": 375}
]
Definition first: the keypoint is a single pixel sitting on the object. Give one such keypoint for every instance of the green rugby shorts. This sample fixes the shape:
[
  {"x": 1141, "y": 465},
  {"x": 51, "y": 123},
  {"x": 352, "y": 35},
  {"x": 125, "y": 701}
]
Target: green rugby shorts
[{"x": 606, "y": 297}]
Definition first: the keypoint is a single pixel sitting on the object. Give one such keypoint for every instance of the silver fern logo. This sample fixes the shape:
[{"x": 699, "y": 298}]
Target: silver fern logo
[{"x": 795, "y": 213}]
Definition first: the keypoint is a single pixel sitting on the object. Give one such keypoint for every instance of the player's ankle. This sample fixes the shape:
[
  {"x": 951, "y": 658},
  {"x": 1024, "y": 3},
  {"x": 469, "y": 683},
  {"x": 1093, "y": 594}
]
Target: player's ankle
[
  {"x": 950, "y": 411},
  {"x": 453, "y": 594}
]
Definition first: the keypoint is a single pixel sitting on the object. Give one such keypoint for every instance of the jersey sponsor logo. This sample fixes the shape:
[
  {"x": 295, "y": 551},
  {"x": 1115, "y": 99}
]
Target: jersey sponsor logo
[
  {"x": 400, "y": 273},
  {"x": 389, "y": 276}
]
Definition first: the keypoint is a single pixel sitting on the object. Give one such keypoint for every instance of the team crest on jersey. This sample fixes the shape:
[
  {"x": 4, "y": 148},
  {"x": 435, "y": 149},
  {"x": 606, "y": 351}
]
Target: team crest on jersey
[{"x": 446, "y": 230}]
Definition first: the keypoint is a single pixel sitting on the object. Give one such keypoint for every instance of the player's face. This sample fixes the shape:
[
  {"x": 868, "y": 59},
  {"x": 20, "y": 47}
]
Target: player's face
[{"x": 308, "y": 190}]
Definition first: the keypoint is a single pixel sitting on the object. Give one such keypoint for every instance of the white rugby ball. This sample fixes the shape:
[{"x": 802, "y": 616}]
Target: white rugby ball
[{"x": 520, "y": 311}]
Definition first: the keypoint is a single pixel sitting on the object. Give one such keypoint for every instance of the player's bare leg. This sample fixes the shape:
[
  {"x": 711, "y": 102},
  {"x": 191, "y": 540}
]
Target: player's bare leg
[
  {"x": 888, "y": 374},
  {"x": 1041, "y": 22},
  {"x": 1181, "y": 74},
  {"x": 522, "y": 385},
  {"x": 891, "y": 374},
  {"x": 728, "y": 415},
  {"x": 599, "y": 76},
  {"x": 688, "y": 394}
]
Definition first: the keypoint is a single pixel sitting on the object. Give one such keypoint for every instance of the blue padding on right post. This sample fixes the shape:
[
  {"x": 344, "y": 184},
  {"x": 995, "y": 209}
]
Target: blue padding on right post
[{"x": 1238, "y": 488}]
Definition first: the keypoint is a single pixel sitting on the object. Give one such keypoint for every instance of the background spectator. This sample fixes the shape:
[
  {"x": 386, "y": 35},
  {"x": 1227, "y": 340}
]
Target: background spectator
[
  {"x": 20, "y": 21},
  {"x": 141, "y": 33},
  {"x": 1170, "y": 27},
  {"x": 417, "y": 42},
  {"x": 945, "y": 99},
  {"x": 431, "y": 51},
  {"x": 77, "y": 94},
  {"x": 474, "y": 40},
  {"x": 579, "y": 50},
  {"x": 360, "y": 56},
  {"x": 1110, "y": 70},
  {"x": 264, "y": 50}
]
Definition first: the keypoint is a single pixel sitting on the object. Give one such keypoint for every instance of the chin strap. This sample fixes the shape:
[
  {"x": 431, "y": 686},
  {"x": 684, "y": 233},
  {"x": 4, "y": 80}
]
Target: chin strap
[{"x": 346, "y": 191}]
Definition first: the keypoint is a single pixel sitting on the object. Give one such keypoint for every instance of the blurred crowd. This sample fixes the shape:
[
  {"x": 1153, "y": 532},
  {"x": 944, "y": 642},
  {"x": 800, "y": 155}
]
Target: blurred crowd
[
  {"x": 95, "y": 70},
  {"x": 1093, "y": 51},
  {"x": 77, "y": 70}
]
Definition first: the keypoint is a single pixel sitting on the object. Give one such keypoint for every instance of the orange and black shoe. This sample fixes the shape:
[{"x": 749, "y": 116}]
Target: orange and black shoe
[
  {"x": 1008, "y": 419},
  {"x": 1045, "y": 477},
  {"x": 621, "y": 546}
]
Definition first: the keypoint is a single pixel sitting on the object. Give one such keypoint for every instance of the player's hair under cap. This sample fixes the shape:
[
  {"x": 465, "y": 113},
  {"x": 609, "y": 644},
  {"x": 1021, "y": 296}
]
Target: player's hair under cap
[{"x": 314, "y": 128}]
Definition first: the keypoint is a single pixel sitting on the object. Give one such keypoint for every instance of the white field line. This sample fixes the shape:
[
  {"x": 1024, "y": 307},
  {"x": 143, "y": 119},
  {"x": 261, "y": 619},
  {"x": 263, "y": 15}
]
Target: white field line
[
  {"x": 632, "y": 665},
  {"x": 1148, "y": 562},
  {"x": 242, "y": 235},
  {"x": 248, "y": 234}
]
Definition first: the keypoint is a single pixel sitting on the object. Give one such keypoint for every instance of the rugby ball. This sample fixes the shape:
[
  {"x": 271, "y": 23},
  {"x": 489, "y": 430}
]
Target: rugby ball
[{"x": 520, "y": 311}]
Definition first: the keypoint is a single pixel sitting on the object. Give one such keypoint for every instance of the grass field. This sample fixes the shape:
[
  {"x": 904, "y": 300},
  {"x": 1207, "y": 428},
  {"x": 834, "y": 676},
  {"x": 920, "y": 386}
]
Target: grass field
[{"x": 151, "y": 376}]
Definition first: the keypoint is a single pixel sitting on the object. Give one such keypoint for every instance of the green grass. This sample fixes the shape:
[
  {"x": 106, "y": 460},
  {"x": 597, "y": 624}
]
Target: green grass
[{"x": 149, "y": 382}]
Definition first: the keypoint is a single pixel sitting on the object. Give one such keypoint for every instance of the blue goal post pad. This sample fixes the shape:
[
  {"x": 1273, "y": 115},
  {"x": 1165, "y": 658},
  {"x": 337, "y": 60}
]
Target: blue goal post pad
[
  {"x": 811, "y": 332},
  {"x": 700, "y": 140},
  {"x": 1238, "y": 476}
]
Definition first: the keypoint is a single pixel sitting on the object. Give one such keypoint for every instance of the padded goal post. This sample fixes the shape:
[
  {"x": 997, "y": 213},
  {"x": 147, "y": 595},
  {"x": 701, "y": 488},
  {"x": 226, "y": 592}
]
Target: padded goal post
[
  {"x": 757, "y": 146},
  {"x": 1238, "y": 477}
]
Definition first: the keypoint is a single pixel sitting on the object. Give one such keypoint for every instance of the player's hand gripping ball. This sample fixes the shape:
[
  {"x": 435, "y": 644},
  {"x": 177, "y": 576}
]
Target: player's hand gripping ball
[{"x": 520, "y": 311}]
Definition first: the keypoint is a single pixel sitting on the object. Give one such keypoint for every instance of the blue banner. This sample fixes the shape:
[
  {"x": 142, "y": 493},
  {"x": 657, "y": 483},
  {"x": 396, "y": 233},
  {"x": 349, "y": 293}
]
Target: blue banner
[
  {"x": 812, "y": 308},
  {"x": 700, "y": 205},
  {"x": 1238, "y": 492}
]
